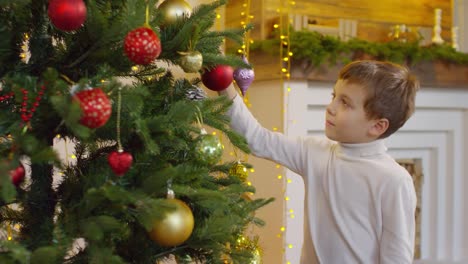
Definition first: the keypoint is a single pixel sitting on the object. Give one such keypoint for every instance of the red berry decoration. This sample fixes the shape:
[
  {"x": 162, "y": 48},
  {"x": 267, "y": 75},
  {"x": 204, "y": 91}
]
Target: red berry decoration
[
  {"x": 17, "y": 175},
  {"x": 218, "y": 78},
  {"x": 120, "y": 162},
  {"x": 96, "y": 107},
  {"x": 142, "y": 45},
  {"x": 26, "y": 114},
  {"x": 67, "y": 15}
]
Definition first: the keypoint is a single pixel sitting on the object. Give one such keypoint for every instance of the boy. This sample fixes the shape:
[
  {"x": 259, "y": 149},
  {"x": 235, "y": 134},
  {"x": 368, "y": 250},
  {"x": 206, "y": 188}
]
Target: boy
[{"x": 359, "y": 204}]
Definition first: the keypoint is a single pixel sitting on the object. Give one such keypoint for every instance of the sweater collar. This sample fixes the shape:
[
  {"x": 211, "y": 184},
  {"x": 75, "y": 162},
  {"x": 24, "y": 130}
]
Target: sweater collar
[{"x": 372, "y": 148}]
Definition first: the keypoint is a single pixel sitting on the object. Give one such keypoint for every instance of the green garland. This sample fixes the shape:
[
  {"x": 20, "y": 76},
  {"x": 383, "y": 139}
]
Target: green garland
[{"x": 318, "y": 49}]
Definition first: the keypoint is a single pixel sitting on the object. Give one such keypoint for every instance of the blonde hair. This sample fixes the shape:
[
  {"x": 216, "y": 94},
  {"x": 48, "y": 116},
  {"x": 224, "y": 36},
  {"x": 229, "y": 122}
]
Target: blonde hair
[{"x": 391, "y": 90}]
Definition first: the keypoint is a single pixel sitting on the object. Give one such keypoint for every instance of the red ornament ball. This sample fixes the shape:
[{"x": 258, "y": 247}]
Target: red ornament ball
[
  {"x": 17, "y": 175},
  {"x": 67, "y": 15},
  {"x": 218, "y": 78},
  {"x": 120, "y": 162},
  {"x": 95, "y": 106},
  {"x": 142, "y": 45}
]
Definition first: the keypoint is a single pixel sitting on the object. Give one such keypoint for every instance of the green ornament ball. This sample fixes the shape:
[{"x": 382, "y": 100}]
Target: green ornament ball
[{"x": 209, "y": 149}]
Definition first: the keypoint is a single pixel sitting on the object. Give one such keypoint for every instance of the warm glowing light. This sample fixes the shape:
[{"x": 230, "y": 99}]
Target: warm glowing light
[
  {"x": 249, "y": 183},
  {"x": 290, "y": 54},
  {"x": 214, "y": 133},
  {"x": 282, "y": 37},
  {"x": 275, "y": 25},
  {"x": 289, "y": 89},
  {"x": 284, "y": 70},
  {"x": 289, "y": 180},
  {"x": 286, "y": 198},
  {"x": 291, "y": 211},
  {"x": 290, "y": 246},
  {"x": 293, "y": 216},
  {"x": 275, "y": 129},
  {"x": 286, "y": 59},
  {"x": 278, "y": 166},
  {"x": 73, "y": 156},
  {"x": 58, "y": 136},
  {"x": 283, "y": 229},
  {"x": 252, "y": 170},
  {"x": 218, "y": 16},
  {"x": 280, "y": 177}
]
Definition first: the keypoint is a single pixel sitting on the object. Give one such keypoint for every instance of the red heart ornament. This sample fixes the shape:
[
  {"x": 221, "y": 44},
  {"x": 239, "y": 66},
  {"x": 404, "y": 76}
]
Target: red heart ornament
[
  {"x": 17, "y": 175},
  {"x": 120, "y": 162}
]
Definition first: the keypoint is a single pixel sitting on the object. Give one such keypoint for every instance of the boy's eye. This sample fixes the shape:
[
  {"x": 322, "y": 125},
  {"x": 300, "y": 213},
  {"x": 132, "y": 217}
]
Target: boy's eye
[{"x": 333, "y": 95}]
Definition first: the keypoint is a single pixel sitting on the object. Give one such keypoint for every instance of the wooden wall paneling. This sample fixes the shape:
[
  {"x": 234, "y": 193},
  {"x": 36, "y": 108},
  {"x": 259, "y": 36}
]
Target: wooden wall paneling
[{"x": 375, "y": 18}]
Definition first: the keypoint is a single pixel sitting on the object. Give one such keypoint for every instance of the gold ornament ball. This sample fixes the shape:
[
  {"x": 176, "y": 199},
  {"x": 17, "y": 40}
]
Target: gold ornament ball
[
  {"x": 175, "y": 227},
  {"x": 174, "y": 9}
]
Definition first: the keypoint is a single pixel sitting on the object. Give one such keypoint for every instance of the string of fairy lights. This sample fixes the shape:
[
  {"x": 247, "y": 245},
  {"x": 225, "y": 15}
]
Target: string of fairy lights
[{"x": 284, "y": 12}]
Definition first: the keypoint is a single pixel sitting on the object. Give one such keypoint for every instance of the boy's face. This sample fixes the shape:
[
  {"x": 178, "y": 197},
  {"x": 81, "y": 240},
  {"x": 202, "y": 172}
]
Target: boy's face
[{"x": 346, "y": 120}]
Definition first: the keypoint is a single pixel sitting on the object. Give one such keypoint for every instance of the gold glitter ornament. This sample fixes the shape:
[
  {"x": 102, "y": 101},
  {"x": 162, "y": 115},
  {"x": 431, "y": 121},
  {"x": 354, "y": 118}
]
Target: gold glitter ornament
[
  {"x": 245, "y": 243},
  {"x": 239, "y": 170}
]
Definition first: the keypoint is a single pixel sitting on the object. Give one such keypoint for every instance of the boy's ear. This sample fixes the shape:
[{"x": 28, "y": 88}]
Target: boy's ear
[{"x": 379, "y": 127}]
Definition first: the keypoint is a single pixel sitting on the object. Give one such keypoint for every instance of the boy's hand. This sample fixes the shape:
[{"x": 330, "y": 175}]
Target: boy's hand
[{"x": 229, "y": 92}]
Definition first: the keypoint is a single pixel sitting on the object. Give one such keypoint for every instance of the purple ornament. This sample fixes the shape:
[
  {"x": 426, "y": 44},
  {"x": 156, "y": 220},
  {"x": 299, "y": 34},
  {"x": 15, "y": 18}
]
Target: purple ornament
[{"x": 244, "y": 77}]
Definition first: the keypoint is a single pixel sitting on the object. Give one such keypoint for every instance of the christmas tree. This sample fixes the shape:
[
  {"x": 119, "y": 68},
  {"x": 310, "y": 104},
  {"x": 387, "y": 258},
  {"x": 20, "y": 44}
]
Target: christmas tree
[{"x": 146, "y": 181}]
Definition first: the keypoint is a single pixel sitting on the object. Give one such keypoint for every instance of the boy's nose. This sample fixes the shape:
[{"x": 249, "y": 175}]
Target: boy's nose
[{"x": 330, "y": 110}]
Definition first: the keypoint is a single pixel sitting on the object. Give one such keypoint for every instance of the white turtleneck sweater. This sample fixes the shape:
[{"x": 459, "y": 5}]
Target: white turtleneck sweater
[{"x": 359, "y": 203}]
